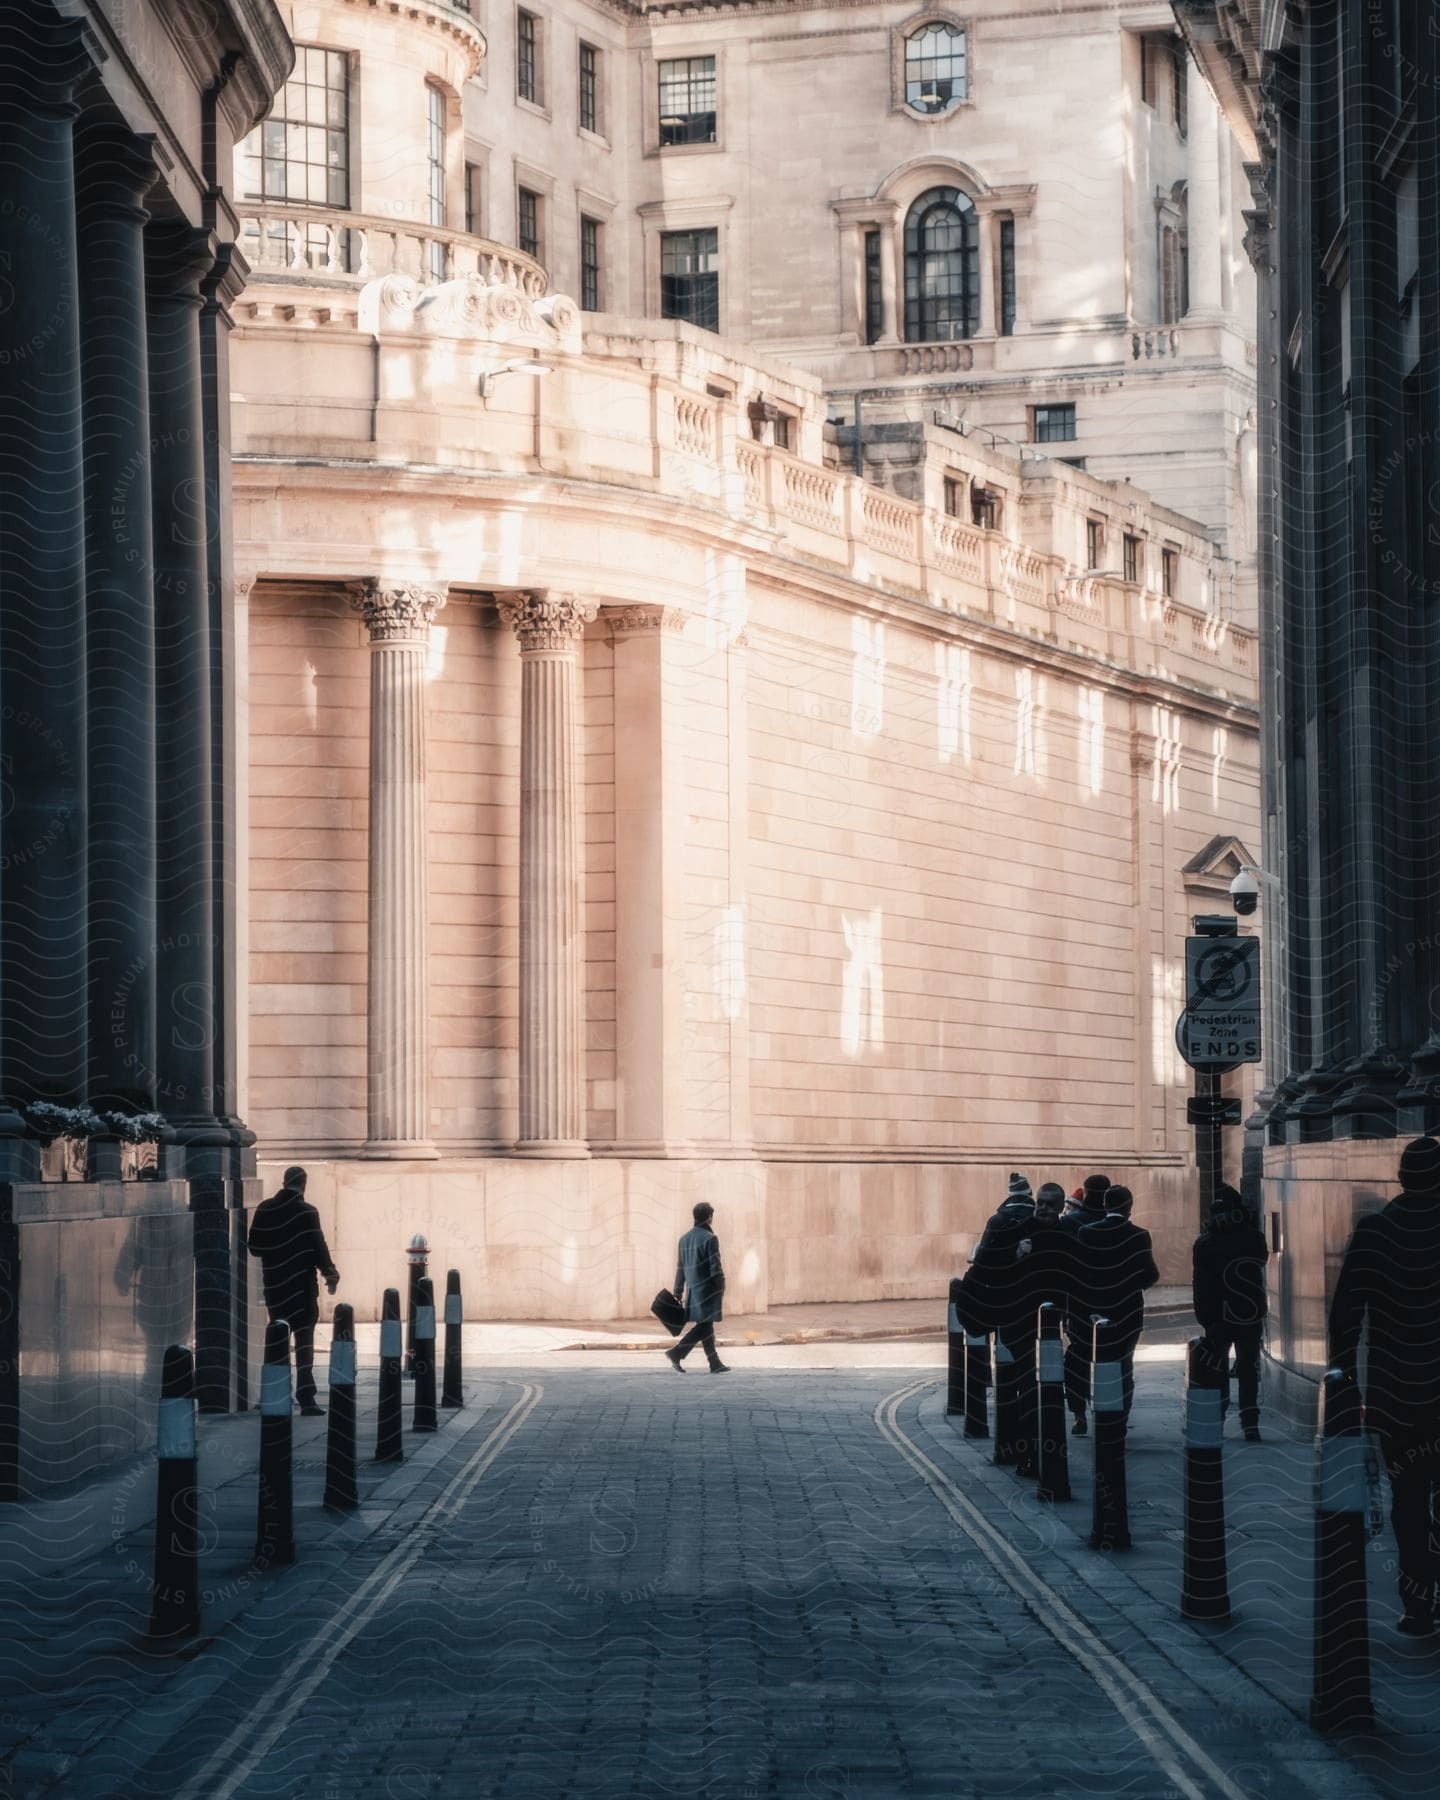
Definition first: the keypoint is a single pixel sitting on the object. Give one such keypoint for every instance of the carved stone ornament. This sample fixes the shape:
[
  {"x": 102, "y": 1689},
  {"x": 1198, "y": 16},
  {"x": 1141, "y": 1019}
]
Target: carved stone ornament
[
  {"x": 645, "y": 618},
  {"x": 493, "y": 312},
  {"x": 393, "y": 614},
  {"x": 546, "y": 621}
]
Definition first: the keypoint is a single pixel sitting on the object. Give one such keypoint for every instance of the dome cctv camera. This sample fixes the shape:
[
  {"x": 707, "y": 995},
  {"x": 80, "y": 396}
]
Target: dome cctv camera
[{"x": 1245, "y": 893}]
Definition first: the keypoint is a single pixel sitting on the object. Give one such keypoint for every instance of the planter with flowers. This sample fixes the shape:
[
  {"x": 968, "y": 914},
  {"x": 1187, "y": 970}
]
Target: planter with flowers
[
  {"x": 64, "y": 1133},
  {"x": 139, "y": 1135}
]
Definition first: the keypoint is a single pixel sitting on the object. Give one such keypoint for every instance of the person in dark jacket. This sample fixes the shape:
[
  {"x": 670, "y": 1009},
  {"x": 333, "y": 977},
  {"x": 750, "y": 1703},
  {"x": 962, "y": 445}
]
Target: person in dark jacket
[
  {"x": 1091, "y": 1209},
  {"x": 1230, "y": 1300},
  {"x": 700, "y": 1284},
  {"x": 1116, "y": 1265},
  {"x": 1389, "y": 1286},
  {"x": 285, "y": 1234},
  {"x": 993, "y": 1298}
]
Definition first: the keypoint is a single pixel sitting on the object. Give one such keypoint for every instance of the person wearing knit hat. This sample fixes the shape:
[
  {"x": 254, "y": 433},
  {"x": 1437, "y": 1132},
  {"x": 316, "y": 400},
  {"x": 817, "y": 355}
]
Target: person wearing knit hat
[
  {"x": 1091, "y": 1197},
  {"x": 1388, "y": 1288},
  {"x": 1019, "y": 1188},
  {"x": 1228, "y": 1265}
]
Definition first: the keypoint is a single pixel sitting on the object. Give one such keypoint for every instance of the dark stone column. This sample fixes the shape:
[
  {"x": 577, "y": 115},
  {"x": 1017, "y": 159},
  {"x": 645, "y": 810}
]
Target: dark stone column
[
  {"x": 115, "y": 170},
  {"x": 177, "y": 258},
  {"x": 44, "y": 1014}
]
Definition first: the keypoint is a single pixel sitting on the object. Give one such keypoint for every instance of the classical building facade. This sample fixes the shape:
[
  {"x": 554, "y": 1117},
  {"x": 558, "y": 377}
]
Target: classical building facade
[
  {"x": 641, "y": 806},
  {"x": 118, "y": 1003},
  {"x": 1334, "y": 108}
]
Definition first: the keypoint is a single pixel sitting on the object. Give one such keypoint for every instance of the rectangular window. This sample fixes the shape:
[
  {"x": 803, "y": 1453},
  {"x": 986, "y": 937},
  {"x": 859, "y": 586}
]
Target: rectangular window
[
  {"x": 690, "y": 277},
  {"x": 1132, "y": 557},
  {"x": 1180, "y": 92},
  {"x": 302, "y": 151},
  {"x": 1094, "y": 543},
  {"x": 1007, "y": 277},
  {"x": 954, "y": 495},
  {"x": 874, "y": 292},
  {"x": 435, "y": 158},
  {"x": 784, "y": 438},
  {"x": 589, "y": 88},
  {"x": 1147, "y": 74},
  {"x": 589, "y": 264},
  {"x": 1169, "y": 572},
  {"x": 687, "y": 101},
  {"x": 528, "y": 211},
  {"x": 1053, "y": 424},
  {"x": 474, "y": 199},
  {"x": 527, "y": 56}
]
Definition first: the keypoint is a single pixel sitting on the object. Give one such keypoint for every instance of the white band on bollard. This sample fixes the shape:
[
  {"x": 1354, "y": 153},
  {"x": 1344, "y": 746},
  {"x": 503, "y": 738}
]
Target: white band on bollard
[
  {"x": 342, "y": 1364},
  {"x": 952, "y": 1321},
  {"x": 452, "y": 1310},
  {"x": 976, "y": 1341},
  {"x": 1107, "y": 1388},
  {"x": 1003, "y": 1352},
  {"x": 1052, "y": 1360},
  {"x": 1342, "y": 1485},
  {"x": 175, "y": 1437},
  {"x": 1204, "y": 1419},
  {"x": 424, "y": 1322},
  {"x": 389, "y": 1337},
  {"x": 275, "y": 1394}
]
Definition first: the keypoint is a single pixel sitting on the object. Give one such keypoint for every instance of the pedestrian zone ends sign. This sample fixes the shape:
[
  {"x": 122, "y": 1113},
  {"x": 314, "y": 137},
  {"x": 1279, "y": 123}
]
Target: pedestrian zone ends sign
[{"x": 1221, "y": 1021}]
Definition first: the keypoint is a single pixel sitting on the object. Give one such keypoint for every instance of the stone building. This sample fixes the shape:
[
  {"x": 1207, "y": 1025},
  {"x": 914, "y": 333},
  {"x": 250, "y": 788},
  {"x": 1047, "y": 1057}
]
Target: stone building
[
  {"x": 117, "y": 713},
  {"x": 1334, "y": 109},
  {"x": 641, "y": 806}
]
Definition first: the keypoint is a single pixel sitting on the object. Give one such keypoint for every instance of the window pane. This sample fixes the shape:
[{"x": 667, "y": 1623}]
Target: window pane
[
  {"x": 687, "y": 100},
  {"x": 942, "y": 268},
  {"x": 936, "y": 75},
  {"x": 302, "y": 151},
  {"x": 689, "y": 277}
]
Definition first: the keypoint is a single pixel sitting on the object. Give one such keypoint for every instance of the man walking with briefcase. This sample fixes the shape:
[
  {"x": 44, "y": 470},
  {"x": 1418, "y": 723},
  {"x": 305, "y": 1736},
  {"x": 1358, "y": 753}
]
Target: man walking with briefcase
[{"x": 700, "y": 1284}]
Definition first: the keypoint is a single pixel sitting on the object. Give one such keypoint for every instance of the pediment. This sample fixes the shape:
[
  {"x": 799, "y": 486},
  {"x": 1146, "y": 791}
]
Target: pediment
[{"x": 1211, "y": 870}]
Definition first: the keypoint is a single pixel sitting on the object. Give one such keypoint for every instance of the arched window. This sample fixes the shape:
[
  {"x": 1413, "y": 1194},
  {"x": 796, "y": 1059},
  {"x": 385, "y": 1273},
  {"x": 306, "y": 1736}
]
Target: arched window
[
  {"x": 942, "y": 267},
  {"x": 936, "y": 75}
]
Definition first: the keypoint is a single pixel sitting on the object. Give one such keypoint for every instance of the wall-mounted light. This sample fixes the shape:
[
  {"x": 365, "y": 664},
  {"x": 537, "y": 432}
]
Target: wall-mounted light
[{"x": 519, "y": 365}]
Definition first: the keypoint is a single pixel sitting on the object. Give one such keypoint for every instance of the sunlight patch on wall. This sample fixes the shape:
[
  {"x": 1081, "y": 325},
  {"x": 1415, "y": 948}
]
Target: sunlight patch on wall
[
  {"x": 1029, "y": 695},
  {"x": 862, "y": 984},
  {"x": 729, "y": 961},
  {"x": 435, "y": 652},
  {"x": 867, "y": 677},
  {"x": 1166, "y": 986},
  {"x": 1165, "y": 779},
  {"x": 725, "y": 603},
  {"x": 1219, "y": 742},
  {"x": 952, "y": 701},
  {"x": 1090, "y": 767}
]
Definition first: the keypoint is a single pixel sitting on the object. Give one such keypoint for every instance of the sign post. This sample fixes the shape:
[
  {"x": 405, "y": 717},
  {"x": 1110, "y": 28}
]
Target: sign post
[{"x": 1218, "y": 1030}]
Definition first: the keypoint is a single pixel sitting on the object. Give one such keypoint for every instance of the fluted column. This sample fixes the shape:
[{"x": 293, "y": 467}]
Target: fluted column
[
  {"x": 44, "y": 1013},
  {"x": 115, "y": 170},
  {"x": 552, "y": 1090},
  {"x": 397, "y": 1061}
]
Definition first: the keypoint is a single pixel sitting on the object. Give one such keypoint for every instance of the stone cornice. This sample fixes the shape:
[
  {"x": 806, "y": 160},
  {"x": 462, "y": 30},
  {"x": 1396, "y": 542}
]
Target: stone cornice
[
  {"x": 546, "y": 623},
  {"x": 396, "y": 614},
  {"x": 625, "y": 620}
]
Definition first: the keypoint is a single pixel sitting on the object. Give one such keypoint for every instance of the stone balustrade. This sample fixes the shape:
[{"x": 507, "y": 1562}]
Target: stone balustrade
[{"x": 305, "y": 243}]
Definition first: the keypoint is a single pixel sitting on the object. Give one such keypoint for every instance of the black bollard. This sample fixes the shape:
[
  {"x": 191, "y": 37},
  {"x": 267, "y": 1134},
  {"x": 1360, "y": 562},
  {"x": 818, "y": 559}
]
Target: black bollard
[
  {"x": 175, "y": 1598},
  {"x": 1054, "y": 1482},
  {"x": 451, "y": 1394},
  {"x": 1340, "y": 1696},
  {"x": 1204, "y": 1587},
  {"x": 340, "y": 1490},
  {"x": 1110, "y": 1520},
  {"x": 416, "y": 1255},
  {"x": 275, "y": 1530},
  {"x": 977, "y": 1379},
  {"x": 1007, "y": 1406},
  {"x": 424, "y": 1419},
  {"x": 1027, "y": 1409},
  {"x": 389, "y": 1416},
  {"x": 954, "y": 1358}
]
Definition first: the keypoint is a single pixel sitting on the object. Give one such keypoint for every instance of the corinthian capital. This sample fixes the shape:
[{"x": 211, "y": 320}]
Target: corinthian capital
[
  {"x": 393, "y": 614},
  {"x": 546, "y": 620}
]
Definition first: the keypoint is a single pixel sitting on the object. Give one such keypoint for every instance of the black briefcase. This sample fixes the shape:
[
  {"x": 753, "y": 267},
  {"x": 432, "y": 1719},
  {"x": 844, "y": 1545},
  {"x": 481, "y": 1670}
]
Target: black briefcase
[{"x": 668, "y": 1310}]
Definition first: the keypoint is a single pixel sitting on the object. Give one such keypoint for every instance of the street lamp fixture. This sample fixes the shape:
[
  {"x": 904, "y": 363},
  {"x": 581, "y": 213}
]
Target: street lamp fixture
[{"x": 518, "y": 365}]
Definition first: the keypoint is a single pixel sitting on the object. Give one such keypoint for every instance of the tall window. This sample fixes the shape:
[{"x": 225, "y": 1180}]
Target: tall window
[
  {"x": 1131, "y": 547},
  {"x": 527, "y": 55},
  {"x": 589, "y": 264},
  {"x": 1053, "y": 424},
  {"x": 589, "y": 88},
  {"x": 528, "y": 211},
  {"x": 474, "y": 198},
  {"x": 436, "y": 162},
  {"x": 954, "y": 494},
  {"x": 1174, "y": 273},
  {"x": 942, "y": 267},
  {"x": 1180, "y": 92},
  {"x": 302, "y": 151},
  {"x": 1094, "y": 543},
  {"x": 874, "y": 292},
  {"x": 687, "y": 101},
  {"x": 690, "y": 277},
  {"x": 1169, "y": 572},
  {"x": 936, "y": 72},
  {"x": 1007, "y": 277}
]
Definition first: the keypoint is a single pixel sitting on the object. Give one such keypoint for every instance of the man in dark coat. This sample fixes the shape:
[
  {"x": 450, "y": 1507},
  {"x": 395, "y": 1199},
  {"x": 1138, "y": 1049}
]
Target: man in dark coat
[
  {"x": 285, "y": 1234},
  {"x": 700, "y": 1284},
  {"x": 1230, "y": 1300},
  {"x": 1077, "y": 1318},
  {"x": 1390, "y": 1283},
  {"x": 992, "y": 1298},
  {"x": 1116, "y": 1265}
]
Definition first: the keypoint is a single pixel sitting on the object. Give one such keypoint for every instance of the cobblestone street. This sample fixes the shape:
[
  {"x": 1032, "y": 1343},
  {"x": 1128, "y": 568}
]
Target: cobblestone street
[{"x": 606, "y": 1582}]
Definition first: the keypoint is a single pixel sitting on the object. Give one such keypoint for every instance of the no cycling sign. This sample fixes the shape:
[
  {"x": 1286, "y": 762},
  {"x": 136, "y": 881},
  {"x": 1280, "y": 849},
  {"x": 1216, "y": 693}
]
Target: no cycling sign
[{"x": 1220, "y": 1025}]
